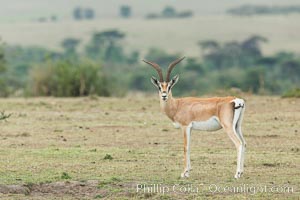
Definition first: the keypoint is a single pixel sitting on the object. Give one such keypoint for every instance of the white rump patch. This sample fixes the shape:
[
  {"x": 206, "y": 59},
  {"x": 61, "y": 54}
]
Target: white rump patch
[
  {"x": 212, "y": 124},
  {"x": 238, "y": 102}
]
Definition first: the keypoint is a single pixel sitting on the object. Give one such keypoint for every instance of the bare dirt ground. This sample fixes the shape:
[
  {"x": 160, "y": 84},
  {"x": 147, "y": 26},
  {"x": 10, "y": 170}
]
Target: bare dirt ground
[{"x": 90, "y": 148}]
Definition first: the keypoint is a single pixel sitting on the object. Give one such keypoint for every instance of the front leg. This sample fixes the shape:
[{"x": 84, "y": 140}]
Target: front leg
[{"x": 187, "y": 162}]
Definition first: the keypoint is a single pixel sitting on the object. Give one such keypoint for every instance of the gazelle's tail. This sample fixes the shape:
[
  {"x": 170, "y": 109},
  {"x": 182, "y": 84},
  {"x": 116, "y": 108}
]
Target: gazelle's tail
[{"x": 239, "y": 108}]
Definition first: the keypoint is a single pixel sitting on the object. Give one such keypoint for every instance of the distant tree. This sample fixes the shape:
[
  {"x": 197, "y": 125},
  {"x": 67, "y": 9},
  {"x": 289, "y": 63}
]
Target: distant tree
[
  {"x": 125, "y": 11},
  {"x": 193, "y": 65},
  {"x": 160, "y": 56},
  {"x": 211, "y": 51},
  {"x": 209, "y": 46},
  {"x": 169, "y": 11},
  {"x": 70, "y": 45},
  {"x": 134, "y": 57},
  {"x": 254, "y": 80},
  {"x": 268, "y": 61},
  {"x": 241, "y": 54},
  {"x": 290, "y": 69},
  {"x": 89, "y": 14},
  {"x": 252, "y": 45},
  {"x": 114, "y": 52},
  {"x": 95, "y": 47},
  {"x": 139, "y": 81},
  {"x": 105, "y": 45},
  {"x": 231, "y": 55},
  {"x": 280, "y": 56},
  {"x": 78, "y": 13}
]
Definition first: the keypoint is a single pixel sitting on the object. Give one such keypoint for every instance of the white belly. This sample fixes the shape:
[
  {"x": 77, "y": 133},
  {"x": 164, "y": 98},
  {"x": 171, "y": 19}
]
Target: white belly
[{"x": 212, "y": 124}]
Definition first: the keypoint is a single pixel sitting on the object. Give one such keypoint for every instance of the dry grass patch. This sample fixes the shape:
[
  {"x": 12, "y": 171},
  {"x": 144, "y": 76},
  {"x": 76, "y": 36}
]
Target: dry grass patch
[{"x": 48, "y": 139}]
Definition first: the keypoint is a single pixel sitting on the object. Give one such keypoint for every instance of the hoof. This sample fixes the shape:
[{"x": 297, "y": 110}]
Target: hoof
[
  {"x": 185, "y": 174},
  {"x": 238, "y": 175}
]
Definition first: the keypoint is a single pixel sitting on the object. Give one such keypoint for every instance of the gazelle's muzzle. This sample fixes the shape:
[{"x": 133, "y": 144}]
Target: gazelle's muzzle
[{"x": 164, "y": 96}]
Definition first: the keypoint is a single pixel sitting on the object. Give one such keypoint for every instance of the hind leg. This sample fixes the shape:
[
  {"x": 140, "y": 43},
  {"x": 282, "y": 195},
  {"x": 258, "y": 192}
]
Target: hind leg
[
  {"x": 229, "y": 125},
  {"x": 238, "y": 129},
  {"x": 239, "y": 147}
]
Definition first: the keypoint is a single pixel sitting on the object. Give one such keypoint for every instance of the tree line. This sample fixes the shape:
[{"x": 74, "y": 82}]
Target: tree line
[
  {"x": 249, "y": 10},
  {"x": 104, "y": 68}
]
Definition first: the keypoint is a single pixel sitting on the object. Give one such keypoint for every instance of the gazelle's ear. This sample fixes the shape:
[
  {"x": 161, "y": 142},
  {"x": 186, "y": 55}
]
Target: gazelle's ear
[
  {"x": 174, "y": 80},
  {"x": 154, "y": 81}
]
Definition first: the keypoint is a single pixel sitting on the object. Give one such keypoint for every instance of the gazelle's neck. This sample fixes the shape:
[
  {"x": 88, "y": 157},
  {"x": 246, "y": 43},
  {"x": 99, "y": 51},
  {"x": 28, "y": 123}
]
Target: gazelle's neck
[{"x": 169, "y": 107}]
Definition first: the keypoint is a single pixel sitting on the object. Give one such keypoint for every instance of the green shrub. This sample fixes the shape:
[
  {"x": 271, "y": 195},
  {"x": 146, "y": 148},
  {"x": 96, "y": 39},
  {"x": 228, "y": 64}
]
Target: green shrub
[
  {"x": 65, "y": 175},
  {"x": 64, "y": 78},
  {"x": 4, "y": 116},
  {"x": 292, "y": 93},
  {"x": 108, "y": 157}
]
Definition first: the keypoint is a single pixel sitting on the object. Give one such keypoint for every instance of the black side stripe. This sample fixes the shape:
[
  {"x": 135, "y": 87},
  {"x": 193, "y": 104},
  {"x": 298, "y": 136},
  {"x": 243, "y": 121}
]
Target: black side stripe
[{"x": 239, "y": 106}]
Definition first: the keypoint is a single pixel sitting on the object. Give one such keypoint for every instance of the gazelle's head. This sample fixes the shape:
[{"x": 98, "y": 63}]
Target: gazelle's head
[{"x": 164, "y": 87}]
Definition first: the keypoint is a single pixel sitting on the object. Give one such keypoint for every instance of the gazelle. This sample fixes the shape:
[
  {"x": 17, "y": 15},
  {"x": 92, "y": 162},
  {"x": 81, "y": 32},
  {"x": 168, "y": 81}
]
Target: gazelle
[{"x": 208, "y": 114}]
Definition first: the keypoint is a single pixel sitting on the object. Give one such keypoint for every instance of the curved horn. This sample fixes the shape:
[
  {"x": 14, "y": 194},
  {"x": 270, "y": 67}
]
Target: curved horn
[
  {"x": 157, "y": 68},
  {"x": 171, "y": 66}
]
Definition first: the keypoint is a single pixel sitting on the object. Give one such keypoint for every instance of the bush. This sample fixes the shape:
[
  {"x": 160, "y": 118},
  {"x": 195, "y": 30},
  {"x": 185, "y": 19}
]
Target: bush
[
  {"x": 65, "y": 175},
  {"x": 63, "y": 78},
  {"x": 292, "y": 93},
  {"x": 108, "y": 157}
]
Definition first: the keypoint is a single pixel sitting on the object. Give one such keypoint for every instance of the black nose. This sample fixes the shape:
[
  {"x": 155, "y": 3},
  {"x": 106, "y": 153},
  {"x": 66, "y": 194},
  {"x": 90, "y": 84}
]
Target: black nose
[{"x": 164, "y": 96}]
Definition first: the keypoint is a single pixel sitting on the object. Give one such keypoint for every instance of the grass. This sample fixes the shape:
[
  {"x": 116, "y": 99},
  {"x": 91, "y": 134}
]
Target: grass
[
  {"x": 65, "y": 175},
  {"x": 4, "y": 116},
  {"x": 176, "y": 35},
  {"x": 50, "y": 141}
]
